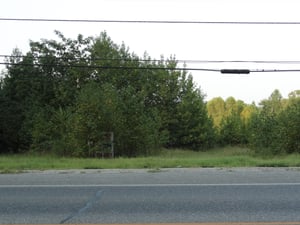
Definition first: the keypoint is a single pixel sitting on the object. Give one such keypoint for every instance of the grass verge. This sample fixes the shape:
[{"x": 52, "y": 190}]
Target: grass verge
[{"x": 221, "y": 157}]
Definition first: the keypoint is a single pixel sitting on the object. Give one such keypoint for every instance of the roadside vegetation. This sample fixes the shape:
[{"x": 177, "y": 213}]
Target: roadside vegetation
[
  {"x": 59, "y": 101},
  {"x": 222, "y": 157}
]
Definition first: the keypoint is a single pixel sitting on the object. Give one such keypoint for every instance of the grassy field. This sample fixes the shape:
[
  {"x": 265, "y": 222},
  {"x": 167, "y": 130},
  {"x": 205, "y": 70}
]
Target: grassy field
[{"x": 222, "y": 157}]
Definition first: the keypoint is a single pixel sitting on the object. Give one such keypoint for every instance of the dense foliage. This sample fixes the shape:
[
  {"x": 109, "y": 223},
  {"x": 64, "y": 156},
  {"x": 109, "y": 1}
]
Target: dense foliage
[
  {"x": 64, "y": 95},
  {"x": 273, "y": 127}
]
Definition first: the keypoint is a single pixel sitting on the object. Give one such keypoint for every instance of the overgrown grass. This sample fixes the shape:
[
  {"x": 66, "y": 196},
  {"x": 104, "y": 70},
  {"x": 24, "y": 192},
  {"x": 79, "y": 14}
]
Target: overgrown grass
[{"x": 221, "y": 157}]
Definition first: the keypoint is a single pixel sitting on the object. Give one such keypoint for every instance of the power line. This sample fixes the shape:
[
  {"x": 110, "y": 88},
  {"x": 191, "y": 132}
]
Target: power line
[
  {"x": 234, "y": 71},
  {"x": 162, "y": 60},
  {"x": 152, "y": 21},
  {"x": 274, "y": 70},
  {"x": 247, "y": 61},
  {"x": 111, "y": 67},
  {"x": 91, "y": 58}
]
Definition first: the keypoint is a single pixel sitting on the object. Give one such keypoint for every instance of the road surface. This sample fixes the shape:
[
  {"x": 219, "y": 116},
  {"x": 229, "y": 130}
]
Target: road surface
[{"x": 143, "y": 196}]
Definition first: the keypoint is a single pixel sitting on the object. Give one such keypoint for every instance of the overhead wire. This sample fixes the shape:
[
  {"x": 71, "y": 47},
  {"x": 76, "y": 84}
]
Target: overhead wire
[
  {"x": 151, "y": 21},
  {"x": 161, "y": 60},
  {"x": 111, "y": 67},
  {"x": 236, "y": 71}
]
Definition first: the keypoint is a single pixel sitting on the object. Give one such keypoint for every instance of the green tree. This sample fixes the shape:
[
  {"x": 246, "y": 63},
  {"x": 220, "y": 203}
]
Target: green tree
[
  {"x": 232, "y": 131},
  {"x": 96, "y": 112},
  {"x": 21, "y": 95},
  {"x": 230, "y": 120},
  {"x": 289, "y": 123},
  {"x": 264, "y": 126},
  {"x": 216, "y": 110},
  {"x": 272, "y": 105},
  {"x": 141, "y": 126},
  {"x": 63, "y": 94},
  {"x": 63, "y": 65},
  {"x": 52, "y": 131},
  {"x": 294, "y": 94},
  {"x": 191, "y": 127}
]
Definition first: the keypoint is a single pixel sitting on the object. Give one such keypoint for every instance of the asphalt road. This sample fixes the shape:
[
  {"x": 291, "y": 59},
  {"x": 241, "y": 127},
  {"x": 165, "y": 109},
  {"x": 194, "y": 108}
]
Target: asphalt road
[{"x": 142, "y": 196}]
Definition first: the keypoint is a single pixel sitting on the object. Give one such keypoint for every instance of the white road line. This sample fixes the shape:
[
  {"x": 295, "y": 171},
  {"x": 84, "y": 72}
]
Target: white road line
[{"x": 142, "y": 185}]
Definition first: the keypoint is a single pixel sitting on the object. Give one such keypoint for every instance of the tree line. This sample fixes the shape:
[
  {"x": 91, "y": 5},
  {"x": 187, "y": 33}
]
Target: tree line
[
  {"x": 63, "y": 95},
  {"x": 272, "y": 127}
]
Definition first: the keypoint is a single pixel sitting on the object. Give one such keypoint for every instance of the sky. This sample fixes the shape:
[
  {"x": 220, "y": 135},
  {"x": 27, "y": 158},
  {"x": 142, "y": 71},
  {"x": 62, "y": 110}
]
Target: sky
[{"x": 221, "y": 42}]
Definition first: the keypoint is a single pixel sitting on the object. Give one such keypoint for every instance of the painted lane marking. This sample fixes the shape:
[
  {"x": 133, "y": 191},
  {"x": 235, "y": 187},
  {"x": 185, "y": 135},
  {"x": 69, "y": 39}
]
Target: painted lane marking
[
  {"x": 143, "y": 185},
  {"x": 210, "y": 223}
]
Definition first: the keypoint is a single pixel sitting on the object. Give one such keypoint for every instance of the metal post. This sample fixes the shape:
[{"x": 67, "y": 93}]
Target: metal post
[{"x": 112, "y": 144}]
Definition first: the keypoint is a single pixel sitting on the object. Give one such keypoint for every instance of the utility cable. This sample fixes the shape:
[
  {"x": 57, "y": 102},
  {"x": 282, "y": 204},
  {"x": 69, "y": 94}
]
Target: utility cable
[
  {"x": 152, "y": 21},
  {"x": 160, "y": 60},
  {"x": 111, "y": 67},
  {"x": 232, "y": 71}
]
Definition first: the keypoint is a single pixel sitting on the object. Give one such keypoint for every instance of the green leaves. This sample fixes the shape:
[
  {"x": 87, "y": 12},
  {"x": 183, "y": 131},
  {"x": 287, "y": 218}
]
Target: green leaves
[
  {"x": 275, "y": 127},
  {"x": 66, "y": 93},
  {"x": 289, "y": 121}
]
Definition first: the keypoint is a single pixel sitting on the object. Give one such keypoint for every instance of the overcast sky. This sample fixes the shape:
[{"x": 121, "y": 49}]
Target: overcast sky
[{"x": 186, "y": 41}]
